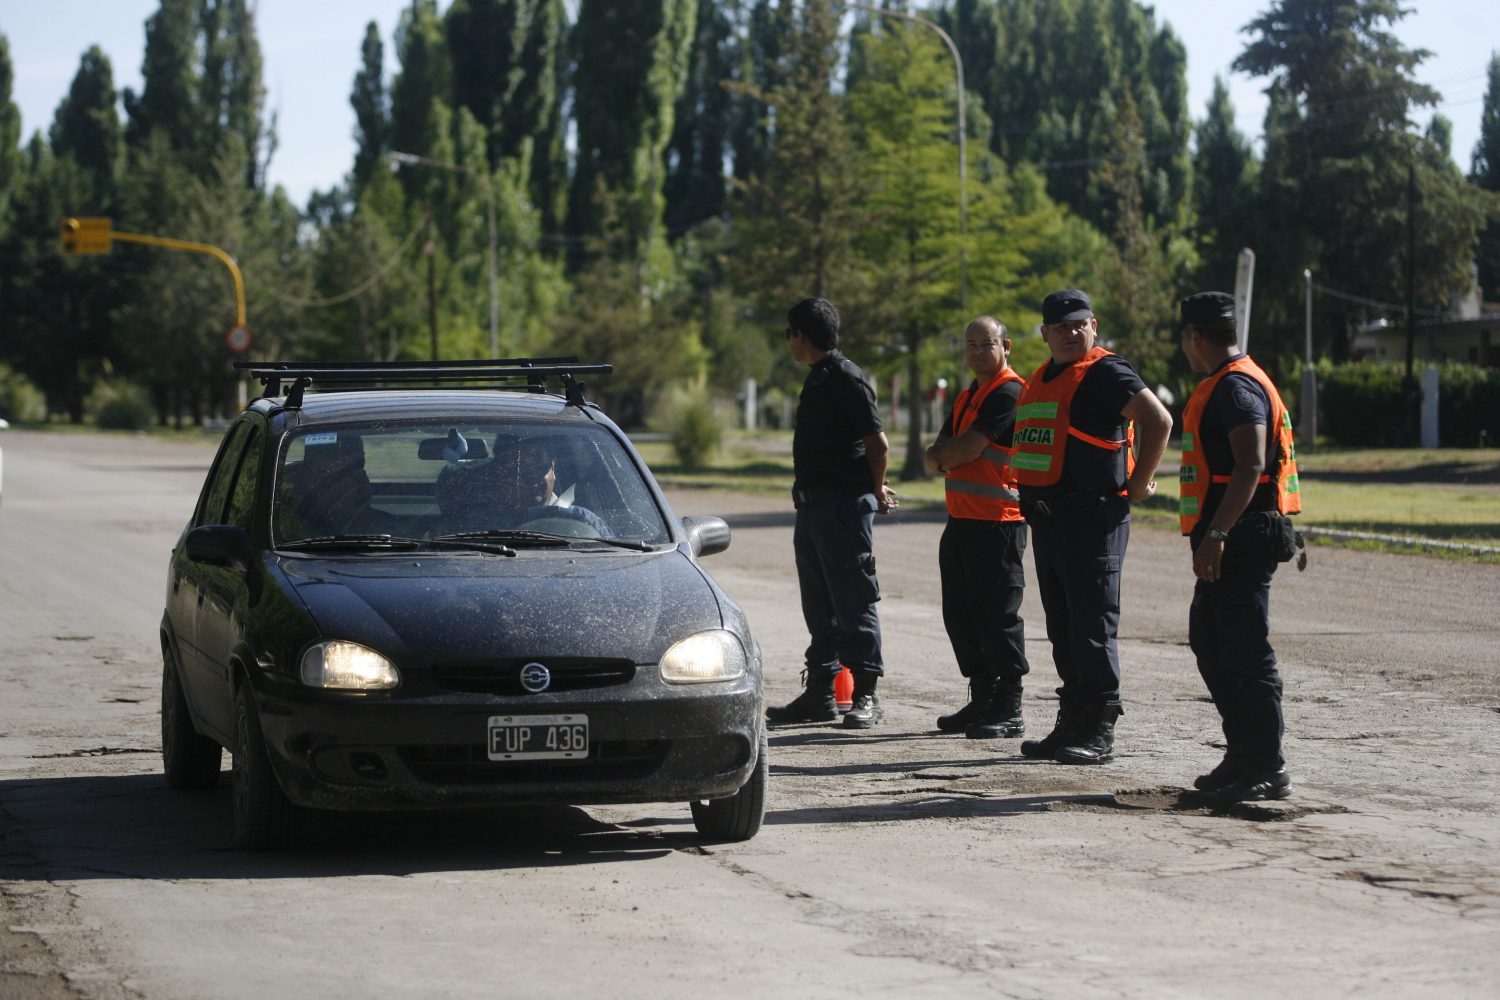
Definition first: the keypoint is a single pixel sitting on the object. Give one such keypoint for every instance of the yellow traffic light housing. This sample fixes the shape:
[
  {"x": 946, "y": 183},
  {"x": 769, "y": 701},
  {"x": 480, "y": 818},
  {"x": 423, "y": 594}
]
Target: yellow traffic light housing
[{"x": 87, "y": 235}]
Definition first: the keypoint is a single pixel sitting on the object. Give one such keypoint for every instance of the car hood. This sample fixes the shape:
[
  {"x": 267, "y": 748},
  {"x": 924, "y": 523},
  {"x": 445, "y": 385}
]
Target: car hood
[{"x": 611, "y": 604}]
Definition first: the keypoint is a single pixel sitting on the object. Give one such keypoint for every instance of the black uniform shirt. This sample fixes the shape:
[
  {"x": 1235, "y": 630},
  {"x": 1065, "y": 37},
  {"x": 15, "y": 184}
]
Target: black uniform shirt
[
  {"x": 996, "y": 419},
  {"x": 1237, "y": 400},
  {"x": 835, "y": 413},
  {"x": 1108, "y": 386}
]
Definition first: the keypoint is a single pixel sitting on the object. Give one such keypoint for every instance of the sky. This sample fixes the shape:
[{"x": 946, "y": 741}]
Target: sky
[{"x": 311, "y": 52}]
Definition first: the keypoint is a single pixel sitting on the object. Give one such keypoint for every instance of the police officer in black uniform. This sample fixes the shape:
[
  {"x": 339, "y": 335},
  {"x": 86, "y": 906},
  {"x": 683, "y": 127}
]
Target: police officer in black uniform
[
  {"x": 1239, "y": 478},
  {"x": 1073, "y": 461},
  {"x": 839, "y": 455}
]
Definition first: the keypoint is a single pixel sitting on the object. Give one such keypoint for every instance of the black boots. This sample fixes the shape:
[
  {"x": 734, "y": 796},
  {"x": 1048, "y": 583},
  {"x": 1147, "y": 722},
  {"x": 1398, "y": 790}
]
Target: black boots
[
  {"x": 981, "y": 689},
  {"x": 866, "y": 711},
  {"x": 1001, "y": 717},
  {"x": 814, "y": 704},
  {"x": 1093, "y": 739},
  {"x": 1084, "y": 734},
  {"x": 1256, "y": 786},
  {"x": 1046, "y": 747}
]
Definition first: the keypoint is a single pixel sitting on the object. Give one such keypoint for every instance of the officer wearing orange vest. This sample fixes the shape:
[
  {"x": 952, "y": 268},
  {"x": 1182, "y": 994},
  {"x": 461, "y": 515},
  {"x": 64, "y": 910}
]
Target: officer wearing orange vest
[
  {"x": 1238, "y": 482},
  {"x": 1075, "y": 424},
  {"x": 984, "y": 541}
]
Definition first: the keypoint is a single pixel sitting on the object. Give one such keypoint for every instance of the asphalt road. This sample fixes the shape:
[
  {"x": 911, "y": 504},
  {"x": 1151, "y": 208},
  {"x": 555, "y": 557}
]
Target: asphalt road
[{"x": 896, "y": 862}]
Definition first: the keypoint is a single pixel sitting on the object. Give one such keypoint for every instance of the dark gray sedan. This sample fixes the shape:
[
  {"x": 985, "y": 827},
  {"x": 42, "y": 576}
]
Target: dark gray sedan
[{"x": 393, "y": 598}]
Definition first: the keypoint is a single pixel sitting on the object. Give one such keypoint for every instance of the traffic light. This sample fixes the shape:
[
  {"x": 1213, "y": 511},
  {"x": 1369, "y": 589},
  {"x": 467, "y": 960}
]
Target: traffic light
[{"x": 90, "y": 235}]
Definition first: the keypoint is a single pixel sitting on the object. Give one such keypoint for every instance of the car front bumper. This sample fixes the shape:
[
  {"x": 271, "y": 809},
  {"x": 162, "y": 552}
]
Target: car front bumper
[{"x": 648, "y": 742}]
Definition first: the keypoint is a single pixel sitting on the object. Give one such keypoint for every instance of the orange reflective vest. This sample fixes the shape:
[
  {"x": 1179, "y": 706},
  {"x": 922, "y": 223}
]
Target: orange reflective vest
[
  {"x": 1043, "y": 426},
  {"x": 983, "y": 489},
  {"x": 1194, "y": 476}
]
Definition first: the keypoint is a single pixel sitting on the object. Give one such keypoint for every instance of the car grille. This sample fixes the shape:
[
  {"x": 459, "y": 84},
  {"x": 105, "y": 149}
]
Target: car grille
[
  {"x": 503, "y": 677},
  {"x": 466, "y": 764}
]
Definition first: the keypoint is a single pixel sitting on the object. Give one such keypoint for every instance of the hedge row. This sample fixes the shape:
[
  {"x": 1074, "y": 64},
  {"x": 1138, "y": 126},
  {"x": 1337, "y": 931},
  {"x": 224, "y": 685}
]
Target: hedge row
[{"x": 1368, "y": 404}]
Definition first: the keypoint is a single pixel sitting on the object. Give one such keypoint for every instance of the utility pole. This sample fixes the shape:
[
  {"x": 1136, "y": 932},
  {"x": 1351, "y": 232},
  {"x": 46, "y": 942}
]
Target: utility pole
[
  {"x": 1413, "y": 394},
  {"x": 1309, "y": 430},
  {"x": 412, "y": 159},
  {"x": 431, "y": 252}
]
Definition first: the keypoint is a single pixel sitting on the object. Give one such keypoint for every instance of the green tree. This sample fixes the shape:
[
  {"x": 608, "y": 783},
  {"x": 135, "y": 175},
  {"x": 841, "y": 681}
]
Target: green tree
[
  {"x": 419, "y": 96},
  {"x": 1224, "y": 181},
  {"x": 372, "y": 111},
  {"x": 1484, "y": 172},
  {"x": 10, "y": 131},
  {"x": 168, "y": 101},
  {"x": 634, "y": 55},
  {"x": 87, "y": 127},
  {"x": 1346, "y": 90},
  {"x": 797, "y": 219},
  {"x": 1135, "y": 298},
  {"x": 232, "y": 95},
  {"x": 695, "y": 188}
]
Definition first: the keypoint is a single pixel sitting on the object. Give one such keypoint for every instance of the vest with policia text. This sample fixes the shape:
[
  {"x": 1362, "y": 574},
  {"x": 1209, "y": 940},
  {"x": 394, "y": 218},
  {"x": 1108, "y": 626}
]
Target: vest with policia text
[
  {"x": 983, "y": 489},
  {"x": 1194, "y": 476},
  {"x": 1043, "y": 427}
]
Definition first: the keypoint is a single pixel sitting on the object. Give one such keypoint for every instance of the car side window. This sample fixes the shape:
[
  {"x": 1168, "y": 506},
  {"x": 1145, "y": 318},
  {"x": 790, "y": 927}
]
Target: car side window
[
  {"x": 211, "y": 509},
  {"x": 242, "y": 494}
]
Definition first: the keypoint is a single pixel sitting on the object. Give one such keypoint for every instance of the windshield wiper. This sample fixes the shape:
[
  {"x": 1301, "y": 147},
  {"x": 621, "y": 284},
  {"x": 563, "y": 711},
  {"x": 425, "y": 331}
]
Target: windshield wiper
[
  {"x": 477, "y": 544},
  {"x": 513, "y": 535},
  {"x": 635, "y": 544},
  {"x": 352, "y": 541}
]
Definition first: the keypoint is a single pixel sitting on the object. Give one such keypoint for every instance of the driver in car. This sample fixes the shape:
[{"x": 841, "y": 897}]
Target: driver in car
[{"x": 517, "y": 488}]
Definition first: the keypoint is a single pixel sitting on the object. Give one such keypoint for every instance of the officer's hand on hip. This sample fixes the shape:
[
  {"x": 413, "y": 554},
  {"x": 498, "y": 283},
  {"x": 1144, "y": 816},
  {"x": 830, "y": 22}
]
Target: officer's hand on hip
[{"x": 1137, "y": 492}]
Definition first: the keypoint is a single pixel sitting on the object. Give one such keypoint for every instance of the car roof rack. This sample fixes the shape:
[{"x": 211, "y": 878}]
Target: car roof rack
[{"x": 517, "y": 374}]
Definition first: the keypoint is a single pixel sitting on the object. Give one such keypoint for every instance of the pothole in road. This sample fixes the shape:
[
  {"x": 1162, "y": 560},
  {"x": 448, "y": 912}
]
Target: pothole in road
[{"x": 1185, "y": 803}]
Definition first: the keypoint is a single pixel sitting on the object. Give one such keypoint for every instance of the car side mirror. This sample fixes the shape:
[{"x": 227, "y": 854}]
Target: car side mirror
[
  {"x": 220, "y": 545},
  {"x": 706, "y": 535}
]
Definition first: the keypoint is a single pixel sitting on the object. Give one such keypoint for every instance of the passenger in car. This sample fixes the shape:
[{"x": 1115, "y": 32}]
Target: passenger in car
[{"x": 333, "y": 490}]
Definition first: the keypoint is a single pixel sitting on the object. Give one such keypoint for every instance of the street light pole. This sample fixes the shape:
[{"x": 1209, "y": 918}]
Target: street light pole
[
  {"x": 1309, "y": 404},
  {"x": 963, "y": 158},
  {"x": 412, "y": 159}
]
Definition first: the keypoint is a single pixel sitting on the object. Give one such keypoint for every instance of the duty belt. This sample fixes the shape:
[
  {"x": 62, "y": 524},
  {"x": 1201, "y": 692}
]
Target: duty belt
[
  {"x": 802, "y": 497},
  {"x": 1062, "y": 503}
]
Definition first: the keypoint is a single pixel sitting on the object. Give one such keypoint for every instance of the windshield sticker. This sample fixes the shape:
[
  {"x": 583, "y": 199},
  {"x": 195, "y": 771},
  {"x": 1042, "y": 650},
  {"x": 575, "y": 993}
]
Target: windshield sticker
[{"x": 327, "y": 437}]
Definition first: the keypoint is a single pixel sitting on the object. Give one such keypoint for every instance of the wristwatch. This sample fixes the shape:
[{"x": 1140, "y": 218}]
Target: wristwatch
[{"x": 1217, "y": 535}]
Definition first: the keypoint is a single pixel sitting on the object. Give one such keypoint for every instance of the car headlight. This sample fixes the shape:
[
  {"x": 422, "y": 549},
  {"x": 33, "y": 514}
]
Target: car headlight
[
  {"x": 707, "y": 656},
  {"x": 348, "y": 666}
]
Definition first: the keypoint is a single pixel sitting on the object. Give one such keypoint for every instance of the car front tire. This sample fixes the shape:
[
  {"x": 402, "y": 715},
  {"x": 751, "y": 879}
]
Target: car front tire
[
  {"x": 262, "y": 812},
  {"x": 188, "y": 760},
  {"x": 739, "y": 816}
]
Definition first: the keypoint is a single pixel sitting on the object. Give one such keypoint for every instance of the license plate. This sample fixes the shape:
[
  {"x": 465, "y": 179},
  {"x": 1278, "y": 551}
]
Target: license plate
[{"x": 538, "y": 737}]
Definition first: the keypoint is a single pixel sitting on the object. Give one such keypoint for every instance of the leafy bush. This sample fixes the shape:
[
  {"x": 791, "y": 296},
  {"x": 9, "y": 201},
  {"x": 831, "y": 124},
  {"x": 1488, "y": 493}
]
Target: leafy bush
[
  {"x": 692, "y": 426},
  {"x": 1363, "y": 403},
  {"x": 21, "y": 402},
  {"x": 119, "y": 405},
  {"x": 1468, "y": 405}
]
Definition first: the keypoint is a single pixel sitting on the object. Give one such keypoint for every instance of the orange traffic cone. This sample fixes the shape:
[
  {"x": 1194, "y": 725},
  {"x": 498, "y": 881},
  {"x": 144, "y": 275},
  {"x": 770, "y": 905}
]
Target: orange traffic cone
[{"x": 843, "y": 689}]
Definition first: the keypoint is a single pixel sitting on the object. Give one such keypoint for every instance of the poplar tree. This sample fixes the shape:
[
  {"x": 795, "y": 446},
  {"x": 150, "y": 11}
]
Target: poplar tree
[
  {"x": 10, "y": 132},
  {"x": 372, "y": 111},
  {"x": 695, "y": 188},
  {"x": 1485, "y": 173},
  {"x": 632, "y": 56},
  {"x": 168, "y": 101}
]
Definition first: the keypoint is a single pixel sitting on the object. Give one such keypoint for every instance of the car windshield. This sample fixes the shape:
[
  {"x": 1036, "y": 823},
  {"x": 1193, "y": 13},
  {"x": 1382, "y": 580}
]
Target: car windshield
[{"x": 514, "y": 480}]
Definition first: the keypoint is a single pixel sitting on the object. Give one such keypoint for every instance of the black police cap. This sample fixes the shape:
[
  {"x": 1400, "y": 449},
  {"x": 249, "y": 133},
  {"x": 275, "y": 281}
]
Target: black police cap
[
  {"x": 1207, "y": 307},
  {"x": 1066, "y": 305}
]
